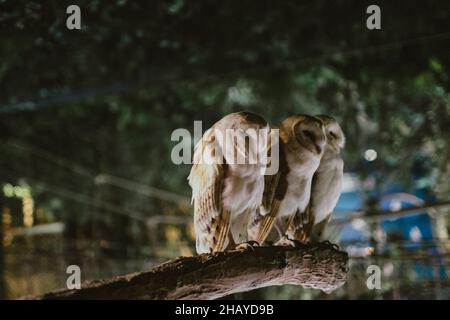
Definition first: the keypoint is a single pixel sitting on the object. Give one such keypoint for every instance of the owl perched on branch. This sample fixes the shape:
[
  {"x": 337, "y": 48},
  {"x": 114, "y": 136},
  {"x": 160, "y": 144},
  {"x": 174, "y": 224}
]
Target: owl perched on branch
[
  {"x": 227, "y": 180},
  {"x": 326, "y": 187},
  {"x": 287, "y": 194}
]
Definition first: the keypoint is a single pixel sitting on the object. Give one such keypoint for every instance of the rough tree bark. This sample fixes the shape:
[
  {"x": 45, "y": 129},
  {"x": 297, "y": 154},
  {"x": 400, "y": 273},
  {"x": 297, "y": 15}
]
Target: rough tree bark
[{"x": 211, "y": 276}]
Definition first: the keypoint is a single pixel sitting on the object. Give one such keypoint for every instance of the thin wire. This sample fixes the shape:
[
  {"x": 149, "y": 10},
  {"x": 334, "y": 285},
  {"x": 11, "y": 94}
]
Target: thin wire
[
  {"x": 51, "y": 157},
  {"x": 84, "y": 199},
  {"x": 123, "y": 183},
  {"x": 141, "y": 188},
  {"x": 381, "y": 215}
]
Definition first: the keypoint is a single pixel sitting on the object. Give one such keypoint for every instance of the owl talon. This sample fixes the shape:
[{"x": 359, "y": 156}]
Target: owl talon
[
  {"x": 285, "y": 241},
  {"x": 246, "y": 246},
  {"x": 328, "y": 243}
]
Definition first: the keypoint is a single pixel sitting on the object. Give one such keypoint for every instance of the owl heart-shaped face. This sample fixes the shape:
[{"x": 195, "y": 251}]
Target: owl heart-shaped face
[
  {"x": 335, "y": 135},
  {"x": 310, "y": 133}
]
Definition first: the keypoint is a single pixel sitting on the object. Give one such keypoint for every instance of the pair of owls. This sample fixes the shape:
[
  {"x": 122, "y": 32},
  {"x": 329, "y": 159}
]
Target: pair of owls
[{"x": 236, "y": 204}]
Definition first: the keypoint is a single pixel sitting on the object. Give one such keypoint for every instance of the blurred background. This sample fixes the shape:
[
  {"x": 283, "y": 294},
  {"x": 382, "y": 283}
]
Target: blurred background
[{"x": 86, "y": 116}]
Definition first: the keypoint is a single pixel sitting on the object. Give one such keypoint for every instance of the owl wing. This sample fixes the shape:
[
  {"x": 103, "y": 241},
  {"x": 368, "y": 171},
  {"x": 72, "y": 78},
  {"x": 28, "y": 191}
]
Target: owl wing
[
  {"x": 268, "y": 210},
  {"x": 206, "y": 178},
  {"x": 325, "y": 192},
  {"x": 325, "y": 196},
  {"x": 300, "y": 226},
  {"x": 275, "y": 187}
]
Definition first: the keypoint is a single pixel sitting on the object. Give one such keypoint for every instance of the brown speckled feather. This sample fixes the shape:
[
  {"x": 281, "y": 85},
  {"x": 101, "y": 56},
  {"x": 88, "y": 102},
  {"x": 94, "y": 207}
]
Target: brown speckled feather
[
  {"x": 211, "y": 221},
  {"x": 275, "y": 187}
]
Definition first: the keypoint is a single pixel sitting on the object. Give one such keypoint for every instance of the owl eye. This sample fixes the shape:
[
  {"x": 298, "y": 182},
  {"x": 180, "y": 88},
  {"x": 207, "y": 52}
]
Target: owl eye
[
  {"x": 308, "y": 134},
  {"x": 333, "y": 135}
]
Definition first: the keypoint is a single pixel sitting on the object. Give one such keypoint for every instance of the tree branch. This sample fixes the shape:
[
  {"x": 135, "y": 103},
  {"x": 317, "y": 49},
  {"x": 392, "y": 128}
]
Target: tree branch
[{"x": 211, "y": 276}]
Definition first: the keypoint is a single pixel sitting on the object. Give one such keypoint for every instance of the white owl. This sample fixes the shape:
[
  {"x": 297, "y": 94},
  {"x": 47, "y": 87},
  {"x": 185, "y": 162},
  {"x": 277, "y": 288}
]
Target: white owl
[
  {"x": 286, "y": 194},
  {"x": 326, "y": 187},
  {"x": 227, "y": 183}
]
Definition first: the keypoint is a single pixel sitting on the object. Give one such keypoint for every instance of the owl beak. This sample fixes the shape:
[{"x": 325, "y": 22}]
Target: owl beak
[
  {"x": 319, "y": 144},
  {"x": 318, "y": 148}
]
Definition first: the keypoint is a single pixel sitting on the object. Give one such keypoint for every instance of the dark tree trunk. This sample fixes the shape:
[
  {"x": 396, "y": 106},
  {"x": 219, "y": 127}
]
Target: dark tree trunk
[{"x": 211, "y": 276}]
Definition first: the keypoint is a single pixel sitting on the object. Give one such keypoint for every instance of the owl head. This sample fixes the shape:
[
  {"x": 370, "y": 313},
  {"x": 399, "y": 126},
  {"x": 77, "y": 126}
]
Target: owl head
[
  {"x": 335, "y": 135},
  {"x": 304, "y": 131}
]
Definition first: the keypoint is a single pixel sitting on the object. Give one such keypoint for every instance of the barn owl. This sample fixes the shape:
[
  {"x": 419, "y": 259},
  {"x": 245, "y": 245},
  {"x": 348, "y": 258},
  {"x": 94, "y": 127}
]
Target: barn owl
[
  {"x": 287, "y": 193},
  {"x": 226, "y": 191},
  {"x": 326, "y": 187}
]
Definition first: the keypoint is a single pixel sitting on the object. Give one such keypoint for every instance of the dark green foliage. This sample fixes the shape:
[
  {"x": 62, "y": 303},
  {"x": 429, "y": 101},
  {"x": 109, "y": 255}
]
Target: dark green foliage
[{"x": 107, "y": 97}]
